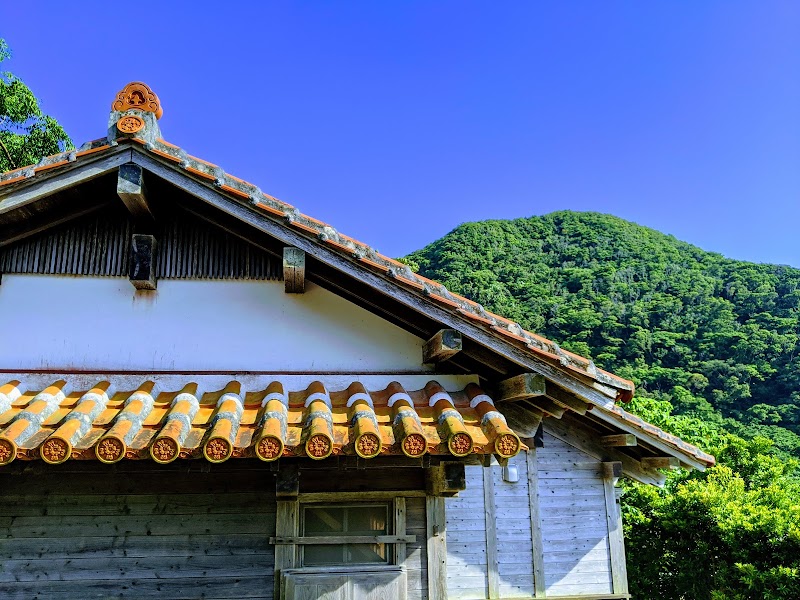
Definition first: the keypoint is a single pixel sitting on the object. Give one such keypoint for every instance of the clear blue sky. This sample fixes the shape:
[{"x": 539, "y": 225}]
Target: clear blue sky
[{"x": 396, "y": 121}]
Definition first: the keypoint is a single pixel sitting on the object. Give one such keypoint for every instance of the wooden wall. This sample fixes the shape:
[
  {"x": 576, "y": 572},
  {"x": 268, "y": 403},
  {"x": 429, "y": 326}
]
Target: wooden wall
[
  {"x": 137, "y": 533},
  {"x": 572, "y": 508},
  {"x": 552, "y": 522}
]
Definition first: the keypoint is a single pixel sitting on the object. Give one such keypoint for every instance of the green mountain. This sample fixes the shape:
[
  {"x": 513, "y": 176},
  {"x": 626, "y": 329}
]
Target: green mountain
[
  {"x": 712, "y": 345},
  {"x": 718, "y": 338}
]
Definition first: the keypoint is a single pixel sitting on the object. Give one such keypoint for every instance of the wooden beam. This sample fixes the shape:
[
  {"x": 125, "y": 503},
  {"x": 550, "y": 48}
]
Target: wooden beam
[
  {"x": 142, "y": 269},
  {"x": 490, "y": 519},
  {"x": 44, "y": 185},
  {"x": 619, "y": 440},
  {"x": 294, "y": 270},
  {"x": 567, "y": 400},
  {"x": 442, "y": 346},
  {"x": 446, "y": 479},
  {"x": 547, "y": 406},
  {"x": 612, "y": 470},
  {"x": 661, "y": 462},
  {"x": 132, "y": 191},
  {"x": 342, "y": 539},
  {"x": 521, "y": 387}
]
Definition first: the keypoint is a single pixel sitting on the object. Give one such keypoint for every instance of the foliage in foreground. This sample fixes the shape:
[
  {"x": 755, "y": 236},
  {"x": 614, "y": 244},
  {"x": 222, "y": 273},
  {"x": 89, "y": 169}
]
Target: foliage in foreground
[
  {"x": 712, "y": 345},
  {"x": 26, "y": 134}
]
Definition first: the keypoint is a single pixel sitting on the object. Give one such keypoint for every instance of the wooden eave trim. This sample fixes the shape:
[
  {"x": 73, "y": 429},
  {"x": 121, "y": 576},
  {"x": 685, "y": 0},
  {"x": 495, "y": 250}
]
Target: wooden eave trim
[
  {"x": 84, "y": 169},
  {"x": 357, "y": 270},
  {"x": 687, "y": 460}
]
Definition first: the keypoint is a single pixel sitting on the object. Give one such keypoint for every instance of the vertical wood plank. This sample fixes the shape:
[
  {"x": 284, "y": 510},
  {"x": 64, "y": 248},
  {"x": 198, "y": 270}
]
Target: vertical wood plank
[
  {"x": 536, "y": 524},
  {"x": 616, "y": 544},
  {"x": 399, "y": 529},
  {"x": 287, "y": 523},
  {"x": 437, "y": 548},
  {"x": 492, "y": 564}
]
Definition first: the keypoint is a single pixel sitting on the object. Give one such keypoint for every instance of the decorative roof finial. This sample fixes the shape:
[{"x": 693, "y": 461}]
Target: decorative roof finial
[
  {"x": 135, "y": 113},
  {"x": 138, "y": 95}
]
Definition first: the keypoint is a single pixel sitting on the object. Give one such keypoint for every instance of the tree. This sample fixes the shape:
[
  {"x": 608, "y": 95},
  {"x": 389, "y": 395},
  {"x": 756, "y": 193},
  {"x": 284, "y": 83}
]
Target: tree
[{"x": 26, "y": 134}]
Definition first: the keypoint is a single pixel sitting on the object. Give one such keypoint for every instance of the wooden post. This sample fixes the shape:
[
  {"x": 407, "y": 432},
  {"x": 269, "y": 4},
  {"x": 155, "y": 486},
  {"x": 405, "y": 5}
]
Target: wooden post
[
  {"x": 142, "y": 269},
  {"x": 616, "y": 544},
  {"x": 492, "y": 562},
  {"x": 536, "y": 524},
  {"x": 287, "y": 523},
  {"x": 442, "y": 346},
  {"x": 437, "y": 547},
  {"x": 521, "y": 387},
  {"x": 399, "y": 529},
  {"x": 294, "y": 270},
  {"x": 132, "y": 192}
]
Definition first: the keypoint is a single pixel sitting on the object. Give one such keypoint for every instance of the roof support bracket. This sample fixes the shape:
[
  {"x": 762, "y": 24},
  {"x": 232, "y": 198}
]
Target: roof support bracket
[
  {"x": 446, "y": 479},
  {"x": 294, "y": 270},
  {"x": 442, "y": 346},
  {"x": 661, "y": 462},
  {"x": 620, "y": 440},
  {"x": 521, "y": 387},
  {"x": 132, "y": 191},
  {"x": 142, "y": 271}
]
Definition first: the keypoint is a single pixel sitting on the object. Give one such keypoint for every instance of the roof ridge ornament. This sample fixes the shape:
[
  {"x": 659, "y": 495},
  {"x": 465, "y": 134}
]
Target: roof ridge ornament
[
  {"x": 134, "y": 114},
  {"x": 138, "y": 95}
]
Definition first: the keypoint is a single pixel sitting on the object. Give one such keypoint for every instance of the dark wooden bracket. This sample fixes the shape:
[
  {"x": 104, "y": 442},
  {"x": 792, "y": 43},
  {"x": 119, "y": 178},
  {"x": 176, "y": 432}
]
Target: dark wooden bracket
[
  {"x": 446, "y": 479},
  {"x": 142, "y": 271},
  {"x": 287, "y": 482},
  {"x": 445, "y": 344},
  {"x": 294, "y": 270},
  {"x": 132, "y": 191}
]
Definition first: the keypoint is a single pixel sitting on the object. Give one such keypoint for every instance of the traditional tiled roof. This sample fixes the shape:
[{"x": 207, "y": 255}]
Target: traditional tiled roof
[
  {"x": 139, "y": 125},
  {"x": 270, "y": 421},
  {"x": 133, "y": 121}
]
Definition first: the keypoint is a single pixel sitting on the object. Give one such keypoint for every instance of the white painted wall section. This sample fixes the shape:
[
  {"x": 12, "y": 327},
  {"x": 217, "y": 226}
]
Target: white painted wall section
[{"x": 94, "y": 324}]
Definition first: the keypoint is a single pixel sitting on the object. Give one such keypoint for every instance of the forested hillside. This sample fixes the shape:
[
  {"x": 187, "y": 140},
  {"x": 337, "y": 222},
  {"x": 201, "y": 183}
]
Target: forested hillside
[{"x": 712, "y": 344}]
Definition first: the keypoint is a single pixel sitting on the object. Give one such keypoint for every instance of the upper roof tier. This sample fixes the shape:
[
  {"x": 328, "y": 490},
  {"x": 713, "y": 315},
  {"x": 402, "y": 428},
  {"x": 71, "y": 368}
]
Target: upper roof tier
[{"x": 133, "y": 119}]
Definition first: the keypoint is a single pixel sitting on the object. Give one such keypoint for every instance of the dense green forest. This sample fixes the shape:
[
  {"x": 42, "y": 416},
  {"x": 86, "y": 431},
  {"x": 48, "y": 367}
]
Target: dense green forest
[{"x": 713, "y": 346}]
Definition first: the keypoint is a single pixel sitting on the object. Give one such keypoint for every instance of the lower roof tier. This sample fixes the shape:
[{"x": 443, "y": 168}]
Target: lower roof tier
[{"x": 111, "y": 417}]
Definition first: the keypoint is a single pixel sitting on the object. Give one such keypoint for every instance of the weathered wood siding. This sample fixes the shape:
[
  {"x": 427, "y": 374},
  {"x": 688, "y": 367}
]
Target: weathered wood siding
[
  {"x": 141, "y": 533},
  {"x": 416, "y": 553},
  {"x": 573, "y": 519},
  {"x": 489, "y": 548},
  {"x": 466, "y": 540},
  {"x": 514, "y": 547}
]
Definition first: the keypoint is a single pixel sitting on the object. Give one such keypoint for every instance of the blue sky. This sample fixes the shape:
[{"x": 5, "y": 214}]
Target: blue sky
[{"x": 396, "y": 121}]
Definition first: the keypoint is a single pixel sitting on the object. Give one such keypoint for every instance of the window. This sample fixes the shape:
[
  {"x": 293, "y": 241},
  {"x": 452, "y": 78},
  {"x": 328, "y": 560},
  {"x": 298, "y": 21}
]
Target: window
[{"x": 338, "y": 521}]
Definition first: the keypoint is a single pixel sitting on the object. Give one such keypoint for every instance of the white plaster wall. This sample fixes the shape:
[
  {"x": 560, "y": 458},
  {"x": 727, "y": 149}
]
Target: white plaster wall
[{"x": 92, "y": 323}]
